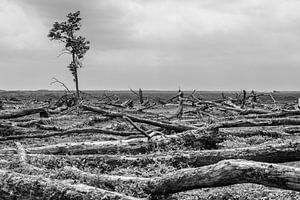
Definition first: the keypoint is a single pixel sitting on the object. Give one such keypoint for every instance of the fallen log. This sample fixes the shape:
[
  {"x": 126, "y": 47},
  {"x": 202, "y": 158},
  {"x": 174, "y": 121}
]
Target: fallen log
[
  {"x": 224, "y": 173},
  {"x": 101, "y": 180},
  {"x": 254, "y": 123},
  {"x": 19, "y": 186},
  {"x": 239, "y": 110},
  {"x": 287, "y": 151},
  {"x": 292, "y": 129},
  {"x": 21, "y": 113},
  {"x": 253, "y": 132},
  {"x": 169, "y": 126},
  {"x": 283, "y": 113},
  {"x": 199, "y": 140},
  {"x": 68, "y": 132},
  {"x": 8, "y": 129}
]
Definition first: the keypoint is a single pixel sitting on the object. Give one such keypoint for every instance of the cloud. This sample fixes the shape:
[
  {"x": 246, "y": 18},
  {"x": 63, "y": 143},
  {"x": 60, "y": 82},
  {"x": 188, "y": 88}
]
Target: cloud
[{"x": 210, "y": 44}]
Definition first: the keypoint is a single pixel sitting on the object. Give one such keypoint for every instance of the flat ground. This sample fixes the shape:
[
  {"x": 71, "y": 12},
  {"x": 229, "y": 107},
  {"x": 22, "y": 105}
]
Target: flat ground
[{"x": 240, "y": 191}]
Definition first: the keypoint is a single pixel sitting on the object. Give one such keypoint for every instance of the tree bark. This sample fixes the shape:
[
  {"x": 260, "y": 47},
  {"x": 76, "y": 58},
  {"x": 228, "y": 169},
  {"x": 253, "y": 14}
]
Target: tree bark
[
  {"x": 225, "y": 173},
  {"x": 26, "y": 187},
  {"x": 101, "y": 180},
  {"x": 272, "y": 153},
  {"x": 66, "y": 132},
  {"x": 21, "y": 113},
  {"x": 200, "y": 140},
  {"x": 254, "y": 123}
]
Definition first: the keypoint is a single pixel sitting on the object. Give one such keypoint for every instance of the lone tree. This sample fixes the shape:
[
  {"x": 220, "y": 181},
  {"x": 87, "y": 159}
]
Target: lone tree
[{"x": 75, "y": 45}]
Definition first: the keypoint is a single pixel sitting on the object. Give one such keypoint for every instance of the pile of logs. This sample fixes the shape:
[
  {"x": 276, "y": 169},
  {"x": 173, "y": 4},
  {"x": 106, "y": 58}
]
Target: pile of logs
[{"x": 187, "y": 139}]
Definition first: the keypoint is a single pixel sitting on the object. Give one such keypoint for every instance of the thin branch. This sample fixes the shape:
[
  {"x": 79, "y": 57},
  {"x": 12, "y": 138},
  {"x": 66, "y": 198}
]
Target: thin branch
[{"x": 136, "y": 127}]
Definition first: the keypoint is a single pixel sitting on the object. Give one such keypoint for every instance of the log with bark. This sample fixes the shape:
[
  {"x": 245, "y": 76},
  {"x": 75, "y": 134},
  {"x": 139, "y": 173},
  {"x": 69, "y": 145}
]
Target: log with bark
[
  {"x": 224, "y": 173},
  {"x": 64, "y": 132},
  {"x": 254, "y": 123},
  {"x": 21, "y": 113},
  {"x": 192, "y": 139},
  {"x": 286, "y": 151},
  {"x": 283, "y": 113},
  {"x": 21, "y": 187}
]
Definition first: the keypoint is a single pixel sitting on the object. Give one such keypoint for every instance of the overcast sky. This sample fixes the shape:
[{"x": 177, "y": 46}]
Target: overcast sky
[{"x": 155, "y": 44}]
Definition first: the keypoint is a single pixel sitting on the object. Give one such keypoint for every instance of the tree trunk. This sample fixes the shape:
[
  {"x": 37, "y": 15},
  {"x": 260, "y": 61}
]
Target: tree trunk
[
  {"x": 21, "y": 113},
  {"x": 76, "y": 76},
  {"x": 27, "y": 187},
  {"x": 278, "y": 153},
  {"x": 199, "y": 140},
  {"x": 227, "y": 172}
]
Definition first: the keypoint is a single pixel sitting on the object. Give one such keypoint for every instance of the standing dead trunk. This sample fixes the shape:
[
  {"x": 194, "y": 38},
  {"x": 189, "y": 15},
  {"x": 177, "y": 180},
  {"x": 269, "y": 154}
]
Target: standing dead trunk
[{"x": 141, "y": 96}]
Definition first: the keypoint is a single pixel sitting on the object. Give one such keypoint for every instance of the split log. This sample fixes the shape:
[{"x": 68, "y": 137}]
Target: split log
[
  {"x": 21, "y": 113},
  {"x": 224, "y": 173},
  {"x": 169, "y": 126},
  {"x": 19, "y": 186}
]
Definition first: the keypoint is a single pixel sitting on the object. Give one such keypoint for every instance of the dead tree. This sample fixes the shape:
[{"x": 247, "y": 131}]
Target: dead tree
[
  {"x": 19, "y": 186},
  {"x": 227, "y": 172},
  {"x": 21, "y": 113}
]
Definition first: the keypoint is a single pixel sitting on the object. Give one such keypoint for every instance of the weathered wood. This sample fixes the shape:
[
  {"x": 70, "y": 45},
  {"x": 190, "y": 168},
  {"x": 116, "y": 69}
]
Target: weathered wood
[
  {"x": 283, "y": 113},
  {"x": 68, "y": 132},
  {"x": 101, "y": 180},
  {"x": 238, "y": 110},
  {"x": 137, "y": 128},
  {"x": 169, "y": 126},
  {"x": 225, "y": 173},
  {"x": 27, "y": 187},
  {"x": 292, "y": 129},
  {"x": 200, "y": 140},
  {"x": 254, "y": 123},
  {"x": 272, "y": 153},
  {"x": 21, "y": 113}
]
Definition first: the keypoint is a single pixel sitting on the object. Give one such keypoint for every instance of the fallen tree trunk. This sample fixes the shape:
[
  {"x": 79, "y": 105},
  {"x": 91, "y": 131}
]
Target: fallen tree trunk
[
  {"x": 21, "y": 113},
  {"x": 239, "y": 110},
  {"x": 283, "y": 113},
  {"x": 292, "y": 129},
  {"x": 287, "y": 151},
  {"x": 68, "y": 132},
  {"x": 253, "y": 132},
  {"x": 227, "y": 172},
  {"x": 169, "y": 126},
  {"x": 101, "y": 180},
  {"x": 200, "y": 140},
  {"x": 8, "y": 129},
  {"x": 19, "y": 186},
  {"x": 254, "y": 123}
]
